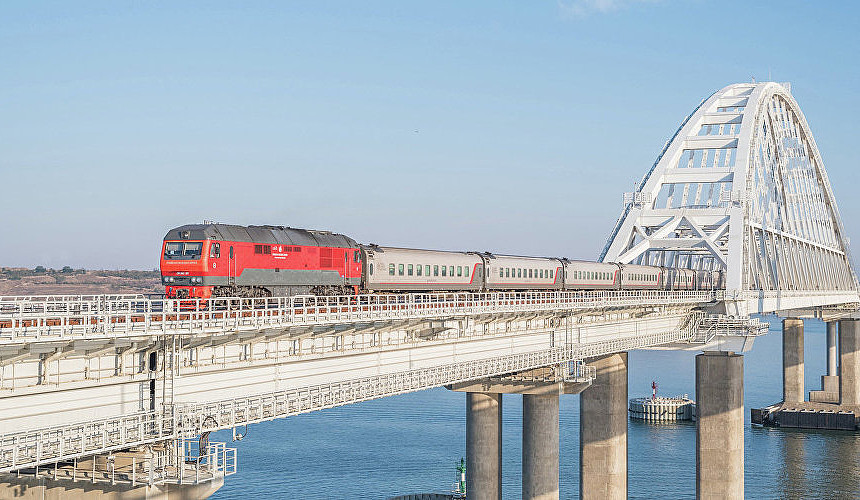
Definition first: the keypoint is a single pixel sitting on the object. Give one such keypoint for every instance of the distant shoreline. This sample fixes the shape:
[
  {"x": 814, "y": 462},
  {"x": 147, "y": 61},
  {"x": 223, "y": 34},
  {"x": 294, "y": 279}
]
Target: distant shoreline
[{"x": 15, "y": 281}]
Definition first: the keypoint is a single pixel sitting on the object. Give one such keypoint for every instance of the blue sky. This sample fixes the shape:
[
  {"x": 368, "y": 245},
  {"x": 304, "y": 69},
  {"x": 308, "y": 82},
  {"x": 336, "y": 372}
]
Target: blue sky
[{"x": 506, "y": 126}]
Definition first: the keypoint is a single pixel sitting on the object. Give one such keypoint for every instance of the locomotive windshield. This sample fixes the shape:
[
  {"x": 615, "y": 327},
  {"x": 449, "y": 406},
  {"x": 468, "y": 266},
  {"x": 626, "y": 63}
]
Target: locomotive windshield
[{"x": 190, "y": 250}]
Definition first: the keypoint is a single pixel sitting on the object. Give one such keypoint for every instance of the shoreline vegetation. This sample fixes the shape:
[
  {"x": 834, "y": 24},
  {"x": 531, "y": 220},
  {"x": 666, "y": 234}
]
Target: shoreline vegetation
[{"x": 16, "y": 281}]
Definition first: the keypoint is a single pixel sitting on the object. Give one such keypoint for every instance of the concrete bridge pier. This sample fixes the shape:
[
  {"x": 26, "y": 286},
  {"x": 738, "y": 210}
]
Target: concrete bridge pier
[
  {"x": 603, "y": 431},
  {"x": 720, "y": 425},
  {"x": 849, "y": 362},
  {"x": 540, "y": 446},
  {"x": 792, "y": 360},
  {"x": 484, "y": 445},
  {"x": 541, "y": 389}
]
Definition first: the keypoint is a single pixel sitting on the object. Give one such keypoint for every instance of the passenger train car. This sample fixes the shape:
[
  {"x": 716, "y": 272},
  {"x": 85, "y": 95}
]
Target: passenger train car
[{"x": 221, "y": 260}]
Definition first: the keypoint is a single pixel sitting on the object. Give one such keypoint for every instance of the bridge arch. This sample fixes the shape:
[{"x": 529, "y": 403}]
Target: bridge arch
[{"x": 741, "y": 186}]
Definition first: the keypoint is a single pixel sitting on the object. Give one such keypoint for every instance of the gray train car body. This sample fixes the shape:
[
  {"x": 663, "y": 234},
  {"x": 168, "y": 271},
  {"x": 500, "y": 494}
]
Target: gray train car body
[
  {"x": 635, "y": 277},
  {"x": 406, "y": 269},
  {"x": 509, "y": 272},
  {"x": 584, "y": 275}
]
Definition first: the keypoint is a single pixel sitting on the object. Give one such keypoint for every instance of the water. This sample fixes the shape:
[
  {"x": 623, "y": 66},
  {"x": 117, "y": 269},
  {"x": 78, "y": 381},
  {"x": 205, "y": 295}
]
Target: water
[{"x": 411, "y": 443}]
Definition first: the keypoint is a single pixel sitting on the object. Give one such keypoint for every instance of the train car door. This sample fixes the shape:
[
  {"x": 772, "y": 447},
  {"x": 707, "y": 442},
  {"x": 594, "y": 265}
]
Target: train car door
[{"x": 231, "y": 267}]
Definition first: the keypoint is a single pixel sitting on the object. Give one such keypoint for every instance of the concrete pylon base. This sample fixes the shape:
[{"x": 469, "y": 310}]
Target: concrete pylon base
[
  {"x": 720, "y": 426},
  {"x": 484, "y": 446},
  {"x": 540, "y": 447},
  {"x": 603, "y": 431}
]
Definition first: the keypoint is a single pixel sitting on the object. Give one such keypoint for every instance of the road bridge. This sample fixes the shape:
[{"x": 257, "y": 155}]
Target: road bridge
[{"x": 122, "y": 391}]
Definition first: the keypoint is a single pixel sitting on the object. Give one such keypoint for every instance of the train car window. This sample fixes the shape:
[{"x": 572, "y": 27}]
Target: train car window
[
  {"x": 427, "y": 270},
  {"x": 451, "y": 270},
  {"x": 409, "y": 270},
  {"x": 530, "y": 273},
  {"x": 459, "y": 270},
  {"x": 391, "y": 269},
  {"x": 371, "y": 268},
  {"x": 541, "y": 273},
  {"x": 400, "y": 268},
  {"x": 466, "y": 271},
  {"x": 444, "y": 270},
  {"x": 418, "y": 269},
  {"x": 507, "y": 272},
  {"x": 501, "y": 272},
  {"x": 550, "y": 274},
  {"x": 435, "y": 270}
]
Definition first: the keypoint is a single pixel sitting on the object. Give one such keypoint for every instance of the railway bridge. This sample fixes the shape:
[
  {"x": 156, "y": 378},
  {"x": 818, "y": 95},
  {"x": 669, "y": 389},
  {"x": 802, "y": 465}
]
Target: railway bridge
[{"x": 104, "y": 395}]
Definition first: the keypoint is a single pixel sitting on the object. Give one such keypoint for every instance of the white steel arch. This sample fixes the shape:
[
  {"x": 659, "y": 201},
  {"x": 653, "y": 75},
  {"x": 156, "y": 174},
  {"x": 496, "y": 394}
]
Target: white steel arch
[{"x": 741, "y": 187}]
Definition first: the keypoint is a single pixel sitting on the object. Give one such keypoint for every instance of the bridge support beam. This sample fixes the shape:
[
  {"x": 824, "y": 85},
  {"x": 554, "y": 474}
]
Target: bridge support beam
[
  {"x": 541, "y": 389},
  {"x": 792, "y": 360},
  {"x": 484, "y": 445},
  {"x": 540, "y": 447},
  {"x": 849, "y": 362},
  {"x": 720, "y": 425},
  {"x": 603, "y": 431}
]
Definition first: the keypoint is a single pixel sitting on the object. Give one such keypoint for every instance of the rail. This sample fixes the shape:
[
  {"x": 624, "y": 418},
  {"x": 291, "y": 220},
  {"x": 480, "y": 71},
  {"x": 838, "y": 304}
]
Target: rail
[{"x": 103, "y": 317}]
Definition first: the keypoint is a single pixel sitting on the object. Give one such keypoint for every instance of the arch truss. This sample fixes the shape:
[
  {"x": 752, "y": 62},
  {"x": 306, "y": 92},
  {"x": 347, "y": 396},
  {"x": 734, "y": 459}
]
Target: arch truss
[{"x": 740, "y": 187}]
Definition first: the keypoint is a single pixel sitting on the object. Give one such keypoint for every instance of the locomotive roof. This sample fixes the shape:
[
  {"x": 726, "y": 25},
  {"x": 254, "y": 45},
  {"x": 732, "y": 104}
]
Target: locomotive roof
[{"x": 262, "y": 234}]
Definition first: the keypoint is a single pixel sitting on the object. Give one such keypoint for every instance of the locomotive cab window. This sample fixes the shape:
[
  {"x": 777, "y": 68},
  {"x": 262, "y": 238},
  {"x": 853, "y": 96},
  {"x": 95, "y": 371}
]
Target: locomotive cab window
[
  {"x": 356, "y": 256},
  {"x": 215, "y": 250},
  {"x": 183, "y": 250}
]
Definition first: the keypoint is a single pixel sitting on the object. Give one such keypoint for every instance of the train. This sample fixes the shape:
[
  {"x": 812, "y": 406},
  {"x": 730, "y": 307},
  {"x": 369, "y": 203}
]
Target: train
[{"x": 224, "y": 260}]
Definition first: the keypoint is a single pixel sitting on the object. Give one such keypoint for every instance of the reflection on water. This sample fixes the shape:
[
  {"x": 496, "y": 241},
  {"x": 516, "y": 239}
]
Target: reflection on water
[
  {"x": 411, "y": 443},
  {"x": 792, "y": 476}
]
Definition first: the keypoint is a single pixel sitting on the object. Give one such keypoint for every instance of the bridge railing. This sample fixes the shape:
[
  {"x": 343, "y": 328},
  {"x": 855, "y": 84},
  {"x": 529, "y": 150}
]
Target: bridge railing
[{"x": 87, "y": 317}]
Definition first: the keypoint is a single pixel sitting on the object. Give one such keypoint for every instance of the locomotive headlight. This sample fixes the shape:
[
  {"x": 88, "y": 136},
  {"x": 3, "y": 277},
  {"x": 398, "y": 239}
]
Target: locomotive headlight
[
  {"x": 169, "y": 279},
  {"x": 197, "y": 279}
]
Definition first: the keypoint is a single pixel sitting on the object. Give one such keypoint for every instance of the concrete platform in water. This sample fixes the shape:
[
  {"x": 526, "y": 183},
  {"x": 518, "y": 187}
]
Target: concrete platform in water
[
  {"x": 662, "y": 409},
  {"x": 807, "y": 415}
]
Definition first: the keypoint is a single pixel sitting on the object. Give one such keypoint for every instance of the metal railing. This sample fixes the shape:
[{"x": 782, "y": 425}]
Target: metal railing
[
  {"x": 65, "y": 442},
  {"x": 47, "y": 320},
  {"x": 224, "y": 414}
]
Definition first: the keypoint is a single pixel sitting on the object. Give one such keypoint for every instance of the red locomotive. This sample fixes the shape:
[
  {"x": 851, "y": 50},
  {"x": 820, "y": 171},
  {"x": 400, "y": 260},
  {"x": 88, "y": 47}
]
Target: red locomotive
[{"x": 221, "y": 260}]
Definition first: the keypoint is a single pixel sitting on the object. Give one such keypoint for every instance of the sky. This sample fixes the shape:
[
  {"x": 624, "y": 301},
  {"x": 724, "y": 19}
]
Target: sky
[{"x": 507, "y": 126}]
